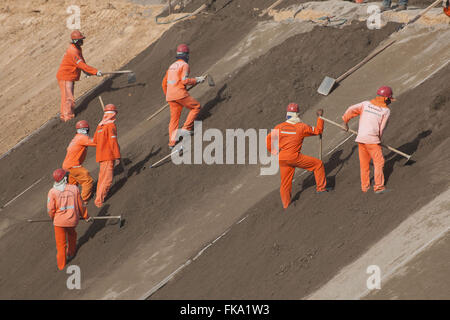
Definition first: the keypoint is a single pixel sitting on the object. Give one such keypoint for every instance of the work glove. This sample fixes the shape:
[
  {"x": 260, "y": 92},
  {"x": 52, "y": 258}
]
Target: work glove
[
  {"x": 99, "y": 73},
  {"x": 200, "y": 79},
  {"x": 345, "y": 125},
  {"x": 319, "y": 112}
]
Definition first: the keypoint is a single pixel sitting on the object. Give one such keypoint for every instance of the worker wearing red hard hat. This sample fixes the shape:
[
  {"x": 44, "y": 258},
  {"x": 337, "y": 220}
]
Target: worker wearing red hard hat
[
  {"x": 174, "y": 87},
  {"x": 373, "y": 117},
  {"x": 69, "y": 71},
  {"x": 75, "y": 156},
  {"x": 290, "y": 135},
  {"x": 107, "y": 153},
  {"x": 65, "y": 208}
]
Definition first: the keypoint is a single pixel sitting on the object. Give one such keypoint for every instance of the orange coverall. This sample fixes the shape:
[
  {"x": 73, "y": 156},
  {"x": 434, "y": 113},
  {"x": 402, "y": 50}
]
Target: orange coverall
[
  {"x": 65, "y": 209},
  {"x": 373, "y": 119},
  {"x": 69, "y": 71},
  {"x": 290, "y": 140},
  {"x": 108, "y": 151},
  {"x": 174, "y": 87},
  {"x": 76, "y": 154}
]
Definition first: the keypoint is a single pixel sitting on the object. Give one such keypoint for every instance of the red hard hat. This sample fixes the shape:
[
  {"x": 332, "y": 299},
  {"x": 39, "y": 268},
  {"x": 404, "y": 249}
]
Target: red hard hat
[
  {"x": 82, "y": 124},
  {"x": 110, "y": 107},
  {"x": 447, "y": 11},
  {"x": 59, "y": 174},
  {"x": 182, "y": 49},
  {"x": 77, "y": 35},
  {"x": 385, "y": 91},
  {"x": 292, "y": 107}
]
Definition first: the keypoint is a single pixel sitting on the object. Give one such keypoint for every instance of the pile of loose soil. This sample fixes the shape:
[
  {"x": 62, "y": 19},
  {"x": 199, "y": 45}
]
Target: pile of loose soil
[{"x": 276, "y": 254}]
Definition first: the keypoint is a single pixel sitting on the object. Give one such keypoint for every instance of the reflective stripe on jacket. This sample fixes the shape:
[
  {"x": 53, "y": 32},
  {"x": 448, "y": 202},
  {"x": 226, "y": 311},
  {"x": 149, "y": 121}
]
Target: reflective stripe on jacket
[
  {"x": 175, "y": 81},
  {"x": 72, "y": 64},
  {"x": 66, "y": 207},
  {"x": 290, "y": 138}
]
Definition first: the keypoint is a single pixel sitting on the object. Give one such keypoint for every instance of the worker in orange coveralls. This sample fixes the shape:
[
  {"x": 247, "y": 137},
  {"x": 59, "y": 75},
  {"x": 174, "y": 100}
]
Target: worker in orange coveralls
[
  {"x": 174, "y": 87},
  {"x": 290, "y": 135},
  {"x": 76, "y": 154},
  {"x": 373, "y": 117},
  {"x": 108, "y": 152},
  {"x": 65, "y": 208},
  {"x": 69, "y": 71}
]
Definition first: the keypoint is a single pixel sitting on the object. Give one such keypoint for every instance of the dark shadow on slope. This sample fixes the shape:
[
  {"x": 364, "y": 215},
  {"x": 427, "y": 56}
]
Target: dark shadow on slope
[
  {"x": 138, "y": 167},
  {"x": 120, "y": 170},
  {"x": 95, "y": 227},
  {"x": 408, "y": 148},
  {"x": 205, "y": 110},
  {"x": 334, "y": 162}
]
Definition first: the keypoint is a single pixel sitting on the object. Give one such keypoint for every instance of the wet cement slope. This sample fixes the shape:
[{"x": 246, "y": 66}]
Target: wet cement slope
[
  {"x": 276, "y": 254},
  {"x": 157, "y": 204}
]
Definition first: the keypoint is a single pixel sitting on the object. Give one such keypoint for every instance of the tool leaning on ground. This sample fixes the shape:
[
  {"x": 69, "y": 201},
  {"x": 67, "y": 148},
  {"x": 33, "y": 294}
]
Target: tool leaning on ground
[
  {"x": 211, "y": 83},
  {"x": 407, "y": 156},
  {"x": 328, "y": 83}
]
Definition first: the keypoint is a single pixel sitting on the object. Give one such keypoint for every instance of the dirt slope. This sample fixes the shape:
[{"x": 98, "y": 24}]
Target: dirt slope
[
  {"x": 287, "y": 255},
  {"x": 173, "y": 211}
]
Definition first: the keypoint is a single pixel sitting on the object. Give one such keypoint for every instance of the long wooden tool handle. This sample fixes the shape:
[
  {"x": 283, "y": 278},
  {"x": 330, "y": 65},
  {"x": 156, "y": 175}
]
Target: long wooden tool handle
[
  {"x": 407, "y": 156},
  {"x": 424, "y": 11},
  {"x": 117, "y": 72},
  {"x": 106, "y": 217},
  {"x": 101, "y": 102},
  {"x": 366, "y": 59},
  {"x": 320, "y": 147},
  {"x": 166, "y": 157}
]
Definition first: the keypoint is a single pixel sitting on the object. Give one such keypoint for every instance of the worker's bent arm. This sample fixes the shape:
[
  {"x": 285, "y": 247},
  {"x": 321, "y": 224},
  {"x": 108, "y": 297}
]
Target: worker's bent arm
[
  {"x": 112, "y": 131},
  {"x": 383, "y": 124},
  {"x": 83, "y": 66},
  {"x": 314, "y": 131},
  {"x": 186, "y": 80},
  {"x": 269, "y": 141},
  {"x": 352, "y": 111},
  {"x": 51, "y": 205},
  {"x": 164, "y": 84}
]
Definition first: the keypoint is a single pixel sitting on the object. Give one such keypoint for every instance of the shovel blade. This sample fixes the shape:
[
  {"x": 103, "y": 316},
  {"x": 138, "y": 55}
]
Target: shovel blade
[
  {"x": 131, "y": 78},
  {"x": 211, "y": 82},
  {"x": 326, "y": 86}
]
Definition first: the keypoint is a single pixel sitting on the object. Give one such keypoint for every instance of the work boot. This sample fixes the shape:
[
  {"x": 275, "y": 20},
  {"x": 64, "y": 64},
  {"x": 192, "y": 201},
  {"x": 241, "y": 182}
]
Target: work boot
[
  {"x": 327, "y": 189},
  {"x": 401, "y": 7},
  {"x": 185, "y": 132},
  {"x": 382, "y": 191}
]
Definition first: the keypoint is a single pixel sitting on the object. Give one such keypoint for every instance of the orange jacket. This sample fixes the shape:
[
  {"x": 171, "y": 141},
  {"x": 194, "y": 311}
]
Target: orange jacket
[
  {"x": 65, "y": 207},
  {"x": 76, "y": 151},
  {"x": 291, "y": 138},
  {"x": 175, "y": 81},
  {"x": 72, "y": 64},
  {"x": 105, "y": 138}
]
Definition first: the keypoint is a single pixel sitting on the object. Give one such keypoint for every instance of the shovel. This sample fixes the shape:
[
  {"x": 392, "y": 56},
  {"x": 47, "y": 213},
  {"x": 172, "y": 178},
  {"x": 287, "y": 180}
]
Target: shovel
[
  {"x": 211, "y": 83},
  {"x": 131, "y": 75},
  {"x": 328, "y": 83},
  {"x": 407, "y": 156}
]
